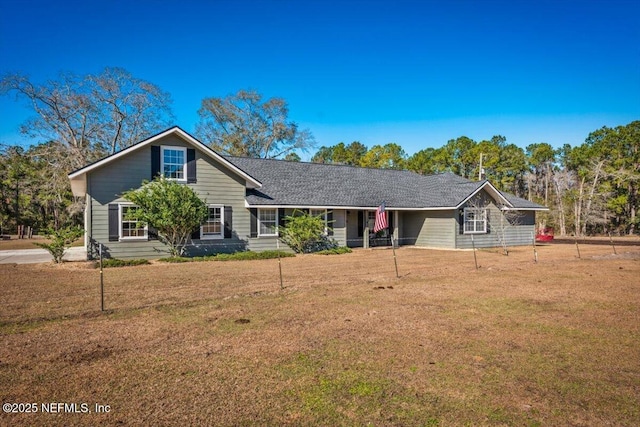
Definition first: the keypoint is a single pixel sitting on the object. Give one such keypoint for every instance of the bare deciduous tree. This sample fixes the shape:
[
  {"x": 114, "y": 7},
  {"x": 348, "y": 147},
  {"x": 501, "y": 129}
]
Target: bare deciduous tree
[
  {"x": 92, "y": 115},
  {"x": 244, "y": 125}
]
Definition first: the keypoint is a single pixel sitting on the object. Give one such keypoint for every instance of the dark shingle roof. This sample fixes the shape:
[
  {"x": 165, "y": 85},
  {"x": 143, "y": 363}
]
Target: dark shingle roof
[{"x": 312, "y": 184}]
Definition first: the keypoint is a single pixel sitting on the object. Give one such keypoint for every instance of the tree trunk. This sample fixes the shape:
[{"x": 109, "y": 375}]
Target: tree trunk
[
  {"x": 592, "y": 192},
  {"x": 633, "y": 197},
  {"x": 577, "y": 208}
]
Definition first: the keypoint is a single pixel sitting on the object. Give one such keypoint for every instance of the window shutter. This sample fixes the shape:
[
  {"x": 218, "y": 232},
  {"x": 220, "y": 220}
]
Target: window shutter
[
  {"x": 360, "y": 223},
  {"x": 228, "y": 222},
  {"x": 281, "y": 217},
  {"x": 114, "y": 222},
  {"x": 155, "y": 161},
  {"x": 330, "y": 223},
  {"x": 191, "y": 166},
  {"x": 195, "y": 235},
  {"x": 254, "y": 222},
  {"x": 461, "y": 221},
  {"x": 152, "y": 233}
]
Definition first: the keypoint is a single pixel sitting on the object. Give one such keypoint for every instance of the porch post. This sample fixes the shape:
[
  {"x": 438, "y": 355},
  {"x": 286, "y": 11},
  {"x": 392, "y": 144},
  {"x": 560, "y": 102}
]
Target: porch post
[
  {"x": 396, "y": 231},
  {"x": 365, "y": 233}
]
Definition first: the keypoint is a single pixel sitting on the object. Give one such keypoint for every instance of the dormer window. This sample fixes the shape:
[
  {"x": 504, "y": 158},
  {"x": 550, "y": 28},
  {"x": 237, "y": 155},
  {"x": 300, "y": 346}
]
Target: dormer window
[{"x": 174, "y": 163}]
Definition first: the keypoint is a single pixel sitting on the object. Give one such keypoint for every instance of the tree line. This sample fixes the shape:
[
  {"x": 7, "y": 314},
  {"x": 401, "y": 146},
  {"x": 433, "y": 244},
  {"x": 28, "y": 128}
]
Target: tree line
[{"x": 590, "y": 188}]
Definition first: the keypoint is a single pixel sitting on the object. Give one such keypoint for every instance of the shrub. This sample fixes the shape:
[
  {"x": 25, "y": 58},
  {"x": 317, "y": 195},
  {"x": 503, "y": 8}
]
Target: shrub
[
  {"x": 336, "y": 251},
  {"x": 236, "y": 256},
  {"x": 114, "y": 262},
  {"x": 173, "y": 209},
  {"x": 304, "y": 233},
  {"x": 61, "y": 239}
]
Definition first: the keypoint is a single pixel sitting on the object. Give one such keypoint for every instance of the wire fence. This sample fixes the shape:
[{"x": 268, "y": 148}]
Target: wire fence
[{"x": 42, "y": 292}]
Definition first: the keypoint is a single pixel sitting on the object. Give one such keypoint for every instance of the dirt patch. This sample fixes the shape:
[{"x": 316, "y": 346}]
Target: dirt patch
[{"x": 345, "y": 342}]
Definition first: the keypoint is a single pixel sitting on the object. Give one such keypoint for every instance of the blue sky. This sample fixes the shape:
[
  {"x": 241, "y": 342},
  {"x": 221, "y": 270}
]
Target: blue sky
[{"x": 416, "y": 73}]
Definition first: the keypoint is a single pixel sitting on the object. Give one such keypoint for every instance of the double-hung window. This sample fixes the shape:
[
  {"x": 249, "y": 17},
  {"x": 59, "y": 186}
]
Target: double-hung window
[
  {"x": 130, "y": 227},
  {"x": 267, "y": 222},
  {"x": 475, "y": 220},
  {"x": 322, "y": 213},
  {"x": 174, "y": 163},
  {"x": 213, "y": 226}
]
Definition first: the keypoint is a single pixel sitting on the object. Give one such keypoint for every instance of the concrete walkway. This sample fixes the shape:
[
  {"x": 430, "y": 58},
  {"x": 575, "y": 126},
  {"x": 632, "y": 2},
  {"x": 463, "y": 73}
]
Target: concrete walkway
[{"x": 34, "y": 256}]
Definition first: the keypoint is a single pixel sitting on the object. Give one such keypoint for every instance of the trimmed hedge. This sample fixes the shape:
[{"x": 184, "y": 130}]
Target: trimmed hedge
[
  {"x": 114, "y": 262},
  {"x": 336, "y": 251},
  {"x": 237, "y": 256}
]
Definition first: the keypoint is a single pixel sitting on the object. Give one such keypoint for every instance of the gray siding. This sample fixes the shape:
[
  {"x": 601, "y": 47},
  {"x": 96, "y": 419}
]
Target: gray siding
[
  {"x": 429, "y": 229},
  {"x": 411, "y": 227},
  {"x": 515, "y": 228},
  {"x": 340, "y": 226},
  {"x": 215, "y": 185},
  {"x": 439, "y": 230},
  {"x": 270, "y": 243}
]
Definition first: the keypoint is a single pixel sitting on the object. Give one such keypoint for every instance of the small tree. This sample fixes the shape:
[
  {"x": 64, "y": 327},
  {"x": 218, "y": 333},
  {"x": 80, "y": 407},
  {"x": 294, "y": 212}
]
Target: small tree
[
  {"x": 304, "y": 233},
  {"x": 172, "y": 209},
  {"x": 60, "y": 241}
]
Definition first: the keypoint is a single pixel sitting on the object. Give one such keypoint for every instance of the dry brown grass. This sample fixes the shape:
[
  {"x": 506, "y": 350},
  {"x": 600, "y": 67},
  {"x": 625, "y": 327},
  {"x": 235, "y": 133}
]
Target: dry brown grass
[
  {"x": 345, "y": 343},
  {"x": 9, "y": 243}
]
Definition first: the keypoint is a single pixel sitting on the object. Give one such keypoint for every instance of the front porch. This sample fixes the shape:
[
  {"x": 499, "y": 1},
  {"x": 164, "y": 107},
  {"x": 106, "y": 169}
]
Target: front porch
[{"x": 359, "y": 229}]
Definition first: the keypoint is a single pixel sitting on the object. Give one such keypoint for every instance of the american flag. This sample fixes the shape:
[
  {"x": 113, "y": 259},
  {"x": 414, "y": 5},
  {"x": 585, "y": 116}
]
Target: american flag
[{"x": 381, "y": 219}]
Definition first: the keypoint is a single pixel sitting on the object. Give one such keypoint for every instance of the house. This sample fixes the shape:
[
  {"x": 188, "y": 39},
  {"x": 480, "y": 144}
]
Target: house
[{"x": 248, "y": 199}]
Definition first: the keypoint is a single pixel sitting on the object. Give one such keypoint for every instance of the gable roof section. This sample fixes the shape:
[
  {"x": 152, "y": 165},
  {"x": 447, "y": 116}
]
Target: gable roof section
[
  {"x": 300, "y": 184},
  {"x": 79, "y": 181},
  {"x": 518, "y": 203}
]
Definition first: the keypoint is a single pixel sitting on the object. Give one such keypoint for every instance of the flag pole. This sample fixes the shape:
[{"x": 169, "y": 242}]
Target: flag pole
[{"x": 382, "y": 223}]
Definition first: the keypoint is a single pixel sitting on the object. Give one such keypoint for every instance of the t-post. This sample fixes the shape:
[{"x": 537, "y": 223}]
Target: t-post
[
  {"x": 101, "y": 280},
  {"x": 612, "y": 245},
  {"x": 395, "y": 261},
  {"x": 279, "y": 261},
  {"x": 473, "y": 245}
]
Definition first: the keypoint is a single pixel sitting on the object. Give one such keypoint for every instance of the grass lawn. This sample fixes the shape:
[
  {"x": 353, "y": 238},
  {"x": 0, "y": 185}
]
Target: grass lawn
[
  {"x": 344, "y": 343},
  {"x": 8, "y": 243}
]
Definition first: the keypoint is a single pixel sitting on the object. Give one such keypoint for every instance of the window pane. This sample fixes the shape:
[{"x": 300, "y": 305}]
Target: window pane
[
  {"x": 475, "y": 220},
  {"x": 318, "y": 212},
  {"x": 130, "y": 225},
  {"x": 268, "y": 222},
  {"x": 213, "y": 224},
  {"x": 173, "y": 161}
]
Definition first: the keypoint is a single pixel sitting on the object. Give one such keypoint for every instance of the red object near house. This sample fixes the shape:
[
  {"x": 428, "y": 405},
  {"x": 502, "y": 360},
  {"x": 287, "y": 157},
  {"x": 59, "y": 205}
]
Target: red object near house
[{"x": 544, "y": 235}]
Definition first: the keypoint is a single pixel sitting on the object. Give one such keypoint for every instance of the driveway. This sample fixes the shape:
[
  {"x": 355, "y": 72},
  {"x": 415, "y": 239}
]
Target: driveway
[{"x": 34, "y": 256}]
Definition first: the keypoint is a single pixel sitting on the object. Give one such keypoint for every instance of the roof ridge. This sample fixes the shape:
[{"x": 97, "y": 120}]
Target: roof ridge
[{"x": 340, "y": 165}]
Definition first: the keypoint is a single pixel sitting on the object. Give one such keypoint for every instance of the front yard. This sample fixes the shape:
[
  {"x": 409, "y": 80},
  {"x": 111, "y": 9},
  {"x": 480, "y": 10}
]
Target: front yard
[{"x": 344, "y": 343}]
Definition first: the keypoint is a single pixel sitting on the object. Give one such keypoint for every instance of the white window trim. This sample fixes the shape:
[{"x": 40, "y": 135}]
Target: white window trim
[
  {"x": 184, "y": 167},
  {"x": 120, "y": 218},
  {"x": 325, "y": 214},
  {"x": 484, "y": 222},
  {"x": 214, "y": 236},
  {"x": 260, "y": 234}
]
